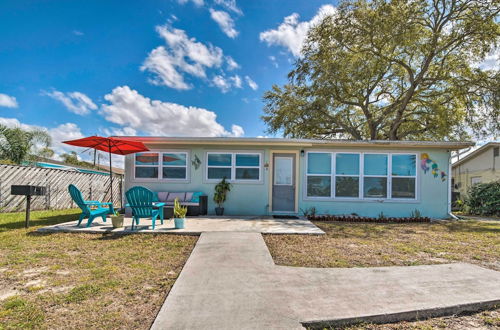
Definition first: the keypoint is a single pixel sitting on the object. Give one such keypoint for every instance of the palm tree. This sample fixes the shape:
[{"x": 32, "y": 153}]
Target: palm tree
[{"x": 18, "y": 145}]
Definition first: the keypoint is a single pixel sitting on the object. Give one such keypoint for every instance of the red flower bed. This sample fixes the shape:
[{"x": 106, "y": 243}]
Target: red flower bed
[{"x": 354, "y": 218}]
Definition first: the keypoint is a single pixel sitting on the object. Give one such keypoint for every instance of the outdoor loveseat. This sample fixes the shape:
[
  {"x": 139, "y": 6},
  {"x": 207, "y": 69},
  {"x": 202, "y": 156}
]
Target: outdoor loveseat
[{"x": 195, "y": 201}]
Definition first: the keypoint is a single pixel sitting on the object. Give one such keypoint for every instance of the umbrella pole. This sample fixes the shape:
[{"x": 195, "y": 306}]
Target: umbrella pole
[{"x": 110, "y": 174}]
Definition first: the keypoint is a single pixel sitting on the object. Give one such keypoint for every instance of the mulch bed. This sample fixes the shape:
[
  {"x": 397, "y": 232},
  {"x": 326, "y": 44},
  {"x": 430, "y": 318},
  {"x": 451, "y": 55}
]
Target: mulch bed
[{"x": 353, "y": 218}]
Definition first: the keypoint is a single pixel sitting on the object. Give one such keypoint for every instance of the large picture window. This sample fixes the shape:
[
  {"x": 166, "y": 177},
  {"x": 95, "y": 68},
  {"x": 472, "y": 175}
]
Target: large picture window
[
  {"x": 234, "y": 166},
  {"x": 347, "y": 175},
  {"x": 166, "y": 166}
]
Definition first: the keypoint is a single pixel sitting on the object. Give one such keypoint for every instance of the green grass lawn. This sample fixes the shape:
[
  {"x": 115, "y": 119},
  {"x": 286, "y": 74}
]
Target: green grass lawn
[{"x": 83, "y": 280}]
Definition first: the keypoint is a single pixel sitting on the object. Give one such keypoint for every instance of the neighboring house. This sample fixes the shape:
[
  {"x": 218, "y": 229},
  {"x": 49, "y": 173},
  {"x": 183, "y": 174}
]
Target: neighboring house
[
  {"x": 285, "y": 176},
  {"x": 481, "y": 165}
]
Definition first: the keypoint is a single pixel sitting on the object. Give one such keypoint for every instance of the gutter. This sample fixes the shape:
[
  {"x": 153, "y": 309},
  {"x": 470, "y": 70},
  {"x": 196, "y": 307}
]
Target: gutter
[{"x": 450, "y": 188}]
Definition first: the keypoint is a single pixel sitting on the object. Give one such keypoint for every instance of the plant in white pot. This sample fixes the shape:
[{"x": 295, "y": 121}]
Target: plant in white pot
[
  {"x": 179, "y": 214},
  {"x": 117, "y": 219},
  {"x": 220, "y": 195}
]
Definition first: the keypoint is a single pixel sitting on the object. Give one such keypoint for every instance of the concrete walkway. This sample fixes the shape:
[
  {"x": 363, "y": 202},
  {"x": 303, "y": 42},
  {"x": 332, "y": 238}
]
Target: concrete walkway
[
  {"x": 194, "y": 226},
  {"x": 230, "y": 281}
]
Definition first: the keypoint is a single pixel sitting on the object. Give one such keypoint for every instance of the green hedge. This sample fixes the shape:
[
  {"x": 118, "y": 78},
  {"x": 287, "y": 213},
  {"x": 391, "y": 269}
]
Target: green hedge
[{"x": 484, "y": 199}]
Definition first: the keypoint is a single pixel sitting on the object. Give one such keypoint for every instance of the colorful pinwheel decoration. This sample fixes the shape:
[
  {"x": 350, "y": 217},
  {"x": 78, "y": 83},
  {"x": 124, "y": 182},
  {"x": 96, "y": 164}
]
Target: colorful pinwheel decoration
[{"x": 426, "y": 163}]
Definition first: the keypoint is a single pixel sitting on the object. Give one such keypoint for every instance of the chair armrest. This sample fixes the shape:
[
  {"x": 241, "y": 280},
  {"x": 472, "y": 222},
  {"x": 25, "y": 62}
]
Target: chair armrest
[
  {"x": 159, "y": 204},
  {"x": 92, "y": 202}
]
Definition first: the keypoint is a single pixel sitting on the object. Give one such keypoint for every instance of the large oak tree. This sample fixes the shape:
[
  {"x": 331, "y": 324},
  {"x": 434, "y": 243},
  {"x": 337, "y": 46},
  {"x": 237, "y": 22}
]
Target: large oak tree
[{"x": 398, "y": 70}]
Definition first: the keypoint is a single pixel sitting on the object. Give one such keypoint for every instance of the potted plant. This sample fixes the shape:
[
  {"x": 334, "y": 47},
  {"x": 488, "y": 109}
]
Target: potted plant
[
  {"x": 117, "y": 219},
  {"x": 179, "y": 214},
  {"x": 220, "y": 195}
]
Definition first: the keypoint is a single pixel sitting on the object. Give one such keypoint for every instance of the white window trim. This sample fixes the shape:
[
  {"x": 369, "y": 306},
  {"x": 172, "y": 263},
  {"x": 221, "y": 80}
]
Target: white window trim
[
  {"x": 233, "y": 166},
  {"x": 361, "y": 176},
  {"x": 160, "y": 166}
]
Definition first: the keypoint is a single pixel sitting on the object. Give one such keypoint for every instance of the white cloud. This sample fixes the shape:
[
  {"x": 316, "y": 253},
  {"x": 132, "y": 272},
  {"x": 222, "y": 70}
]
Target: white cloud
[
  {"x": 237, "y": 82},
  {"x": 197, "y": 3},
  {"x": 78, "y": 33},
  {"x": 491, "y": 61},
  {"x": 292, "y": 33},
  {"x": 231, "y": 63},
  {"x": 8, "y": 101},
  {"x": 225, "y": 22},
  {"x": 225, "y": 84},
  {"x": 274, "y": 61},
  {"x": 222, "y": 83},
  {"x": 119, "y": 131},
  {"x": 75, "y": 102},
  {"x": 182, "y": 55},
  {"x": 237, "y": 131},
  {"x": 130, "y": 109},
  {"x": 229, "y": 5},
  {"x": 252, "y": 84}
]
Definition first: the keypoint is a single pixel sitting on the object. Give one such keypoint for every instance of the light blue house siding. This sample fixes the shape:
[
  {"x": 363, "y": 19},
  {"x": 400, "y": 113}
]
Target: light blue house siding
[{"x": 254, "y": 197}]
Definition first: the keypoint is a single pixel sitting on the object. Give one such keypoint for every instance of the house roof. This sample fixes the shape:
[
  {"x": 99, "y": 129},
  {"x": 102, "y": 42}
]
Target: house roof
[
  {"x": 298, "y": 142},
  {"x": 476, "y": 152}
]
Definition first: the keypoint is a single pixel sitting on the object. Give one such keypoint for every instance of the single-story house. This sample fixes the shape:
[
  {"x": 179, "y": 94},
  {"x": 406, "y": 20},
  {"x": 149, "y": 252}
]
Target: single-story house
[
  {"x": 287, "y": 176},
  {"x": 481, "y": 165}
]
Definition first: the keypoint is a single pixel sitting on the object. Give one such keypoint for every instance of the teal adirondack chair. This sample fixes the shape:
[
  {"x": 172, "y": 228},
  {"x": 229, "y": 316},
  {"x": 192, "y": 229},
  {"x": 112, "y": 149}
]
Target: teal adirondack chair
[
  {"x": 101, "y": 211},
  {"x": 140, "y": 200}
]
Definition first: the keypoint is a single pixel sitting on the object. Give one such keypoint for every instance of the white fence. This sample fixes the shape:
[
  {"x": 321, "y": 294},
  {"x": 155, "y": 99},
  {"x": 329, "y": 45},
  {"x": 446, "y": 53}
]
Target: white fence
[{"x": 93, "y": 187}]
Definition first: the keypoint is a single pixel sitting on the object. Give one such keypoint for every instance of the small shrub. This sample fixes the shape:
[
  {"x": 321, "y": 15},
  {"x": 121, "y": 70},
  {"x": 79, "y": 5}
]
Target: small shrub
[
  {"x": 310, "y": 211},
  {"x": 415, "y": 214},
  {"x": 484, "y": 199}
]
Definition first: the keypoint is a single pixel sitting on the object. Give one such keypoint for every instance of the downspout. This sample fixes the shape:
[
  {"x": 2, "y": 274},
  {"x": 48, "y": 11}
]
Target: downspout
[{"x": 450, "y": 188}]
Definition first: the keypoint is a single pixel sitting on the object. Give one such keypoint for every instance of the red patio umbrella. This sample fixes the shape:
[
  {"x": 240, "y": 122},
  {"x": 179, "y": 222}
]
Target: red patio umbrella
[{"x": 111, "y": 145}]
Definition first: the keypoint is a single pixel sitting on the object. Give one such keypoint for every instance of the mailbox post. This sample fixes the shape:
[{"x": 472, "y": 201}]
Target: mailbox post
[{"x": 28, "y": 191}]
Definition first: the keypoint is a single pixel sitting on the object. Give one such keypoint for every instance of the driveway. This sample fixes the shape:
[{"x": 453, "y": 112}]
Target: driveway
[{"x": 230, "y": 281}]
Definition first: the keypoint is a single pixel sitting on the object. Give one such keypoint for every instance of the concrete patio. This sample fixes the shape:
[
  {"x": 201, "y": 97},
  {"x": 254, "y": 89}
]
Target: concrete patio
[{"x": 196, "y": 226}]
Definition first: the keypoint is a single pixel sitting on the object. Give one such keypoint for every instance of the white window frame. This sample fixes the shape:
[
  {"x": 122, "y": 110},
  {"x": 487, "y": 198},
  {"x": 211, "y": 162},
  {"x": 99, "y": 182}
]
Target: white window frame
[
  {"x": 233, "y": 166},
  {"x": 361, "y": 177},
  {"x": 387, "y": 176},
  {"x": 307, "y": 174},
  {"x": 391, "y": 177},
  {"x": 160, "y": 166}
]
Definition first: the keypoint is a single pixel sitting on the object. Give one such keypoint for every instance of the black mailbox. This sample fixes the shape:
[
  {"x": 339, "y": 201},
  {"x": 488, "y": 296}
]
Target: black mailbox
[{"x": 27, "y": 190}]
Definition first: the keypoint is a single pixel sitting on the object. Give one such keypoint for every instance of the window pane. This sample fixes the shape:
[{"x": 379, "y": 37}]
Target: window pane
[
  {"x": 174, "y": 159},
  {"x": 219, "y": 159},
  {"x": 403, "y": 188},
  {"x": 319, "y": 186},
  {"x": 375, "y": 187},
  {"x": 174, "y": 172},
  {"x": 319, "y": 163},
  {"x": 219, "y": 173},
  {"x": 283, "y": 167},
  {"x": 347, "y": 164},
  {"x": 375, "y": 164},
  {"x": 247, "y": 174},
  {"x": 404, "y": 165},
  {"x": 146, "y": 172},
  {"x": 146, "y": 158},
  {"x": 347, "y": 186},
  {"x": 247, "y": 160}
]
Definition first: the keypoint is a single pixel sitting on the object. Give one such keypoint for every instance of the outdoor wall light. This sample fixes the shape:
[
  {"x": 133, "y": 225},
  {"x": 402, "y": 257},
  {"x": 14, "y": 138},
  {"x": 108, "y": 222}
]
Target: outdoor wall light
[{"x": 302, "y": 153}]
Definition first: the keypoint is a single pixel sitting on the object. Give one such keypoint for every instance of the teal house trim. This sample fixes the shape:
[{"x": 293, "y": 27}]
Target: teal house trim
[{"x": 288, "y": 176}]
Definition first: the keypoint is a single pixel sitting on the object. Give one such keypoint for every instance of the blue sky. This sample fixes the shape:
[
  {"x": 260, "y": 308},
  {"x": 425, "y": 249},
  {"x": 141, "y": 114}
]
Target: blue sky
[{"x": 169, "y": 67}]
